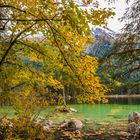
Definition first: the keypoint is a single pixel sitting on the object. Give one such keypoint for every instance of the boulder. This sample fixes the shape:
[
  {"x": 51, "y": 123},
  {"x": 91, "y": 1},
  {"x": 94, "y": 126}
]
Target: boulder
[
  {"x": 65, "y": 109},
  {"x": 134, "y": 117},
  {"x": 46, "y": 128},
  {"x": 125, "y": 134},
  {"x": 72, "y": 123},
  {"x": 137, "y": 133},
  {"x": 132, "y": 127},
  {"x": 46, "y": 124},
  {"x": 134, "y": 123},
  {"x": 77, "y": 124},
  {"x": 40, "y": 120},
  {"x": 73, "y": 110}
]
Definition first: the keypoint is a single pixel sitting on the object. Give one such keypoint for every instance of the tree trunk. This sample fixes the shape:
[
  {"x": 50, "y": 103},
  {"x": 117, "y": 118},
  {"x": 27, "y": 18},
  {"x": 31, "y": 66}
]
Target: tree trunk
[{"x": 64, "y": 96}]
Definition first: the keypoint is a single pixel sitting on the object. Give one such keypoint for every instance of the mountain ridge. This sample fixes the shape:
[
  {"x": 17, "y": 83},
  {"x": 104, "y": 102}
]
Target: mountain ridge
[{"x": 104, "y": 38}]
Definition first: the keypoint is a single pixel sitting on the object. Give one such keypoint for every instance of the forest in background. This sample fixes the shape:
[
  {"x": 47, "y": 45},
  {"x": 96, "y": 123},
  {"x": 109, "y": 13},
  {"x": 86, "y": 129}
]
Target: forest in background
[{"x": 119, "y": 68}]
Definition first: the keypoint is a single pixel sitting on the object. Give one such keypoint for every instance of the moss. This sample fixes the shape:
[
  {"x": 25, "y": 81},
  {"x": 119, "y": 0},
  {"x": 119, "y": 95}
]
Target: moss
[{"x": 65, "y": 109}]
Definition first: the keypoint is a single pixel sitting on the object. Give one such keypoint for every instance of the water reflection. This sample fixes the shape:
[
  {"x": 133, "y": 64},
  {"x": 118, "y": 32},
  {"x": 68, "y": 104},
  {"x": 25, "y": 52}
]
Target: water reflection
[{"x": 125, "y": 100}]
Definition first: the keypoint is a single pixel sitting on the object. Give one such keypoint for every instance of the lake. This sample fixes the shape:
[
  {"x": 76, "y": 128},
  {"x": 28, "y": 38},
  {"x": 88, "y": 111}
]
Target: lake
[{"x": 115, "y": 112}]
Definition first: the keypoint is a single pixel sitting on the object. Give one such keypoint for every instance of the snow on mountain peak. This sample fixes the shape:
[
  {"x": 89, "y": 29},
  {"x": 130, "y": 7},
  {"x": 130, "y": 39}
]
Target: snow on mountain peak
[{"x": 98, "y": 31}]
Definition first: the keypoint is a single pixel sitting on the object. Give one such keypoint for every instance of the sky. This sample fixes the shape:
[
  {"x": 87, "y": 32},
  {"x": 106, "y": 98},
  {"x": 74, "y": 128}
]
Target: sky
[{"x": 120, "y": 8}]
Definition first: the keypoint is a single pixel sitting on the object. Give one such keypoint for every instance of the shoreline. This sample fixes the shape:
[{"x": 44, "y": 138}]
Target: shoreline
[{"x": 121, "y": 96}]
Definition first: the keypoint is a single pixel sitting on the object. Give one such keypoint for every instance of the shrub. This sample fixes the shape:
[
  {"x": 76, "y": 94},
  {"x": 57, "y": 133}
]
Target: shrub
[{"x": 5, "y": 128}]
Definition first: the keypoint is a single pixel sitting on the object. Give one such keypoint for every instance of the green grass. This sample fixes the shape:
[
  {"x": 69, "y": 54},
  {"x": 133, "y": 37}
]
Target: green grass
[{"x": 7, "y": 111}]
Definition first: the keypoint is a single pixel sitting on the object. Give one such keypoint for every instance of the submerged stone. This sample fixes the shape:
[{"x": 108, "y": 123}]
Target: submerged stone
[
  {"x": 72, "y": 123},
  {"x": 134, "y": 117},
  {"x": 73, "y": 110},
  {"x": 132, "y": 127}
]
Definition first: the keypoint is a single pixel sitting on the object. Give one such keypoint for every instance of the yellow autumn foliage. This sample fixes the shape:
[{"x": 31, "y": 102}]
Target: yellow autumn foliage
[
  {"x": 42, "y": 47},
  {"x": 54, "y": 83}
]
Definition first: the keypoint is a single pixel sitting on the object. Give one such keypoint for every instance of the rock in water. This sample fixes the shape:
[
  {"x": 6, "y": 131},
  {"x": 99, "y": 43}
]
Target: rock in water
[
  {"x": 73, "y": 110},
  {"x": 137, "y": 133},
  {"x": 134, "y": 117},
  {"x": 72, "y": 123},
  {"x": 132, "y": 127},
  {"x": 134, "y": 124},
  {"x": 78, "y": 124}
]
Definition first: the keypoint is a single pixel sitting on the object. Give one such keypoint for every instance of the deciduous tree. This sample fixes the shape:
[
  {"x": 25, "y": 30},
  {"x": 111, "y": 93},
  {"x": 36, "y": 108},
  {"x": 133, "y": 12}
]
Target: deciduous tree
[{"x": 41, "y": 38}]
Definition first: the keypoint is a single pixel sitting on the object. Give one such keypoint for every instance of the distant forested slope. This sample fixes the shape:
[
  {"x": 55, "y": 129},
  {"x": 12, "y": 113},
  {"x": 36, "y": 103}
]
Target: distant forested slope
[{"x": 117, "y": 69}]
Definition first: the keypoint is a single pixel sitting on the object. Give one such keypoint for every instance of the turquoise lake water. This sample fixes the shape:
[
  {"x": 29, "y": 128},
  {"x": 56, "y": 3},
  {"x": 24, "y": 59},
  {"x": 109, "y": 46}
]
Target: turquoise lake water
[{"x": 116, "y": 111}]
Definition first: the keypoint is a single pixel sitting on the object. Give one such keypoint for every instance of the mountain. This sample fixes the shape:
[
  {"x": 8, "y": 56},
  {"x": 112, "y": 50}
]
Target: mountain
[
  {"x": 121, "y": 71},
  {"x": 104, "y": 37},
  {"x": 105, "y": 33}
]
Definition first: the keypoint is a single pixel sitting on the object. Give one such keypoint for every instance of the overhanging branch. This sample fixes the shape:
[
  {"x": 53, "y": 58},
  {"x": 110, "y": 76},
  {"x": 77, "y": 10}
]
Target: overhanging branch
[{"x": 12, "y": 42}]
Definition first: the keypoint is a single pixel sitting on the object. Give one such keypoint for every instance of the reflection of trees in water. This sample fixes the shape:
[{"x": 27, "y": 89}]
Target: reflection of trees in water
[{"x": 128, "y": 100}]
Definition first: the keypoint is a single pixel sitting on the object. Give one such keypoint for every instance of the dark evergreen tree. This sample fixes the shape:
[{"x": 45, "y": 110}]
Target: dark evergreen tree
[{"x": 122, "y": 65}]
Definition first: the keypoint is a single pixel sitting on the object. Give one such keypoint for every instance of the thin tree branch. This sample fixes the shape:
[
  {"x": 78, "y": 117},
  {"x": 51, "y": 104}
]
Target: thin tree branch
[
  {"x": 12, "y": 42},
  {"x": 20, "y": 84},
  {"x": 23, "y": 20},
  {"x": 10, "y": 6},
  {"x": 33, "y": 48},
  {"x": 3, "y": 28},
  {"x": 24, "y": 11}
]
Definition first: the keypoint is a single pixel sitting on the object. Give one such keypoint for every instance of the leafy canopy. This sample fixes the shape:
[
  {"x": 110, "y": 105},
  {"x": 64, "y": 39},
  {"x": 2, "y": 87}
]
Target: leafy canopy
[{"x": 40, "y": 38}]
